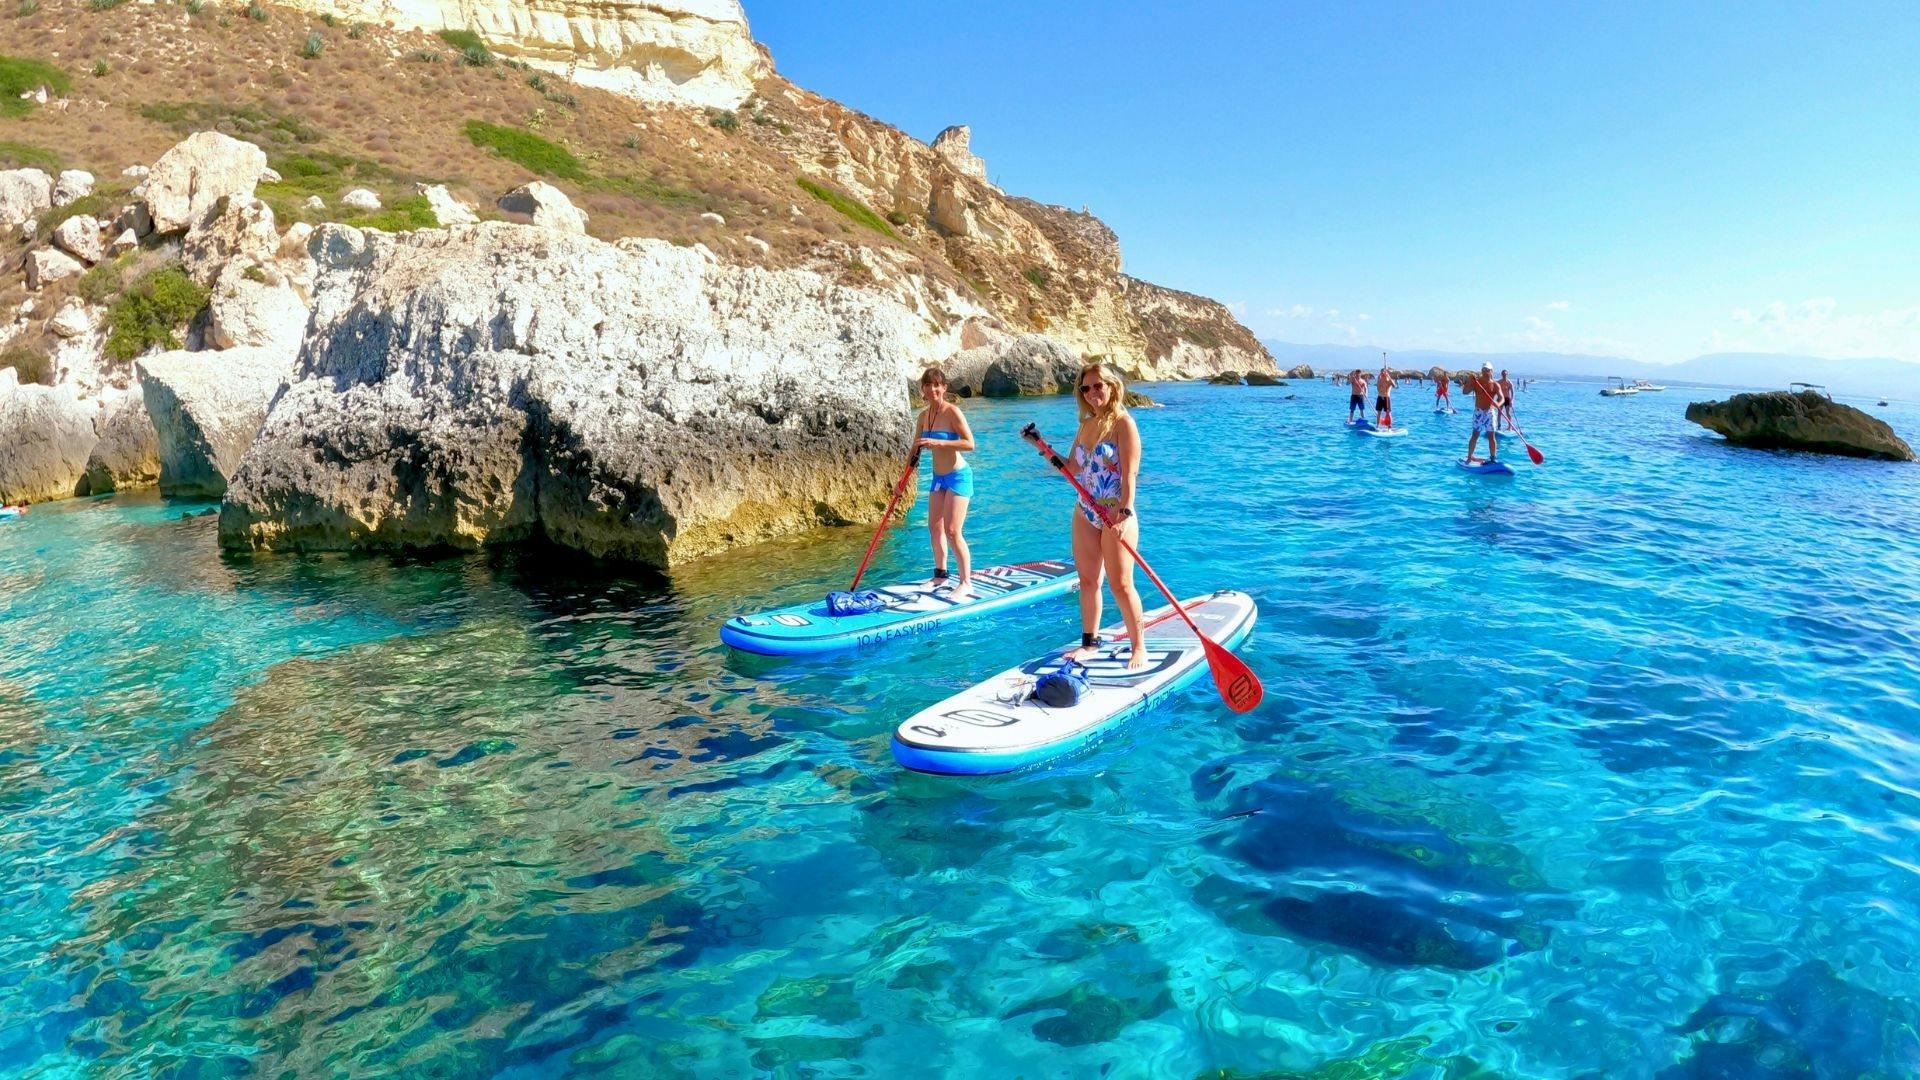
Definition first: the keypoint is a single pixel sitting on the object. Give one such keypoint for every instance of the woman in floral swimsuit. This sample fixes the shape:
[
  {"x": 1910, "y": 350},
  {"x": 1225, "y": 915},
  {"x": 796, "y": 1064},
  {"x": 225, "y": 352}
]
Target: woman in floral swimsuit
[{"x": 1106, "y": 460}]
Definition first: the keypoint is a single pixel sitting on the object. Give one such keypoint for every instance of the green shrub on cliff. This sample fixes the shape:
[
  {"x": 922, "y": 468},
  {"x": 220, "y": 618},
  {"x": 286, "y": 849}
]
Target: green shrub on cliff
[
  {"x": 403, "y": 216},
  {"x": 150, "y": 311},
  {"x": 526, "y": 149},
  {"x": 23, "y": 75},
  {"x": 853, "y": 208}
]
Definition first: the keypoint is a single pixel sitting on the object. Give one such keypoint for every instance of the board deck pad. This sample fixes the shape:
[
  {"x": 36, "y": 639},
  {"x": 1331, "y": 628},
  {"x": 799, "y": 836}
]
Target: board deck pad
[
  {"x": 1487, "y": 468},
  {"x": 996, "y": 727},
  {"x": 911, "y": 607}
]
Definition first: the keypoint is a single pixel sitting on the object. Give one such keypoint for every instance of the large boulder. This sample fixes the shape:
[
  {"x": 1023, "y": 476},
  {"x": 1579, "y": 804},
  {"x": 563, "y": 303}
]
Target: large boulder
[
  {"x": 48, "y": 265},
  {"x": 1300, "y": 371},
  {"x": 547, "y": 205},
  {"x": 72, "y": 185},
  {"x": 447, "y": 210},
  {"x": 635, "y": 400},
  {"x": 126, "y": 454},
  {"x": 188, "y": 181},
  {"x": 24, "y": 195},
  {"x": 1778, "y": 420},
  {"x": 1263, "y": 378},
  {"x": 206, "y": 409},
  {"x": 79, "y": 236},
  {"x": 1022, "y": 366},
  {"x": 238, "y": 230},
  {"x": 254, "y": 305},
  {"x": 45, "y": 436}
]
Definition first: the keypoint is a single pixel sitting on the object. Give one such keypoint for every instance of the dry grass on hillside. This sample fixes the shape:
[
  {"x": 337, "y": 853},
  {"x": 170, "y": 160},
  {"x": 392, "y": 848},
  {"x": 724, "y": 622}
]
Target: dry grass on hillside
[{"x": 340, "y": 106}]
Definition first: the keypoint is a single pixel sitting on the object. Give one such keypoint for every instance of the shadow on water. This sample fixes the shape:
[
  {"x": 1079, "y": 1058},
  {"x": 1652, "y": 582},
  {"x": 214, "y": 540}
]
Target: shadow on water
[
  {"x": 1810, "y": 1023},
  {"x": 1395, "y": 892}
]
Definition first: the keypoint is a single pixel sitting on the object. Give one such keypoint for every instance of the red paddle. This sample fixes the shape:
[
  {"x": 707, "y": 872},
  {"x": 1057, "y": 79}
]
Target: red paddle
[
  {"x": 1239, "y": 687},
  {"x": 913, "y": 463},
  {"x": 1538, "y": 458}
]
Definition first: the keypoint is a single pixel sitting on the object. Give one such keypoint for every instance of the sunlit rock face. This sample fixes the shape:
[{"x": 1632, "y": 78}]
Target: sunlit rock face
[{"x": 688, "y": 52}]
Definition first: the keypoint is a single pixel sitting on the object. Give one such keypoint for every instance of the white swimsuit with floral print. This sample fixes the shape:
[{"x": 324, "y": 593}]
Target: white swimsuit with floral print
[{"x": 1100, "y": 475}]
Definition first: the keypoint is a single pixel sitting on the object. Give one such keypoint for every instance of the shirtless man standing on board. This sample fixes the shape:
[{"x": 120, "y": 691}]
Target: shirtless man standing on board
[
  {"x": 1506, "y": 395},
  {"x": 1383, "y": 396},
  {"x": 1486, "y": 403},
  {"x": 1357, "y": 399}
]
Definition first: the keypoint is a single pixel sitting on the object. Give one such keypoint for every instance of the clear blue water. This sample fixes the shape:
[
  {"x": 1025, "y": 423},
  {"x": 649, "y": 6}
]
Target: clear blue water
[{"x": 1608, "y": 769}]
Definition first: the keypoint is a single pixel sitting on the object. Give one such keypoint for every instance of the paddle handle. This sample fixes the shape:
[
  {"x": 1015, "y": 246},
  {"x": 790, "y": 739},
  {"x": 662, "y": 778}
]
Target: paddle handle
[{"x": 913, "y": 462}]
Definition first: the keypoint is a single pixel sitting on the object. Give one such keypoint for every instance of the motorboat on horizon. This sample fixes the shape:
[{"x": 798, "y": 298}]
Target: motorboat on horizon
[{"x": 1619, "y": 389}]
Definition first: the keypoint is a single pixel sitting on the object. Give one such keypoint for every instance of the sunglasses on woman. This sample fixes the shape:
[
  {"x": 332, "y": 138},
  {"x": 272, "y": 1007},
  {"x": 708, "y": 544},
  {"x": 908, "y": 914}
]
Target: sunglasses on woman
[{"x": 1085, "y": 387}]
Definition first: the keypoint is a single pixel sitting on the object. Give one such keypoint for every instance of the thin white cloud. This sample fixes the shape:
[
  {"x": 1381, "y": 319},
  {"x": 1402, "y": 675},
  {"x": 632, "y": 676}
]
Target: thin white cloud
[
  {"x": 1820, "y": 326},
  {"x": 1560, "y": 305}
]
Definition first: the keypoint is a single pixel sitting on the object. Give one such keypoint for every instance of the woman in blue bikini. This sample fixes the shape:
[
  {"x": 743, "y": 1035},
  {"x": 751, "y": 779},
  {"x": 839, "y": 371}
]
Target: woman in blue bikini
[
  {"x": 943, "y": 429},
  {"x": 1106, "y": 459}
]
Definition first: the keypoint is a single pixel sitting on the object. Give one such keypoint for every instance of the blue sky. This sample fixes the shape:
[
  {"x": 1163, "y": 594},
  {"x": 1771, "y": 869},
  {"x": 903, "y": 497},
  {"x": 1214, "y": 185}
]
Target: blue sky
[{"x": 1654, "y": 181}]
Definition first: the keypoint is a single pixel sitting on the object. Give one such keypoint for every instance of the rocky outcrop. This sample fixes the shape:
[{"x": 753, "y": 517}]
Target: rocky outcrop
[
  {"x": 547, "y": 205},
  {"x": 126, "y": 452},
  {"x": 195, "y": 177},
  {"x": 650, "y": 404},
  {"x": 47, "y": 265},
  {"x": 1189, "y": 336},
  {"x": 24, "y": 195},
  {"x": 255, "y": 305},
  {"x": 955, "y": 146},
  {"x": 239, "y": 230},
  {"x": 361, "y": 199},
  {"x": 206, "y": 409},
  {"x": 79, "y": 236},
  {"x": 45, "y": 436},
  {"x": 1300, "y": 371},
  {"x": 688, "y": 52},
  {"x": 1778, "y": 420},
  {"x": 1263, "y": 378},
  {"x": 1027, "y": 365},
  {"x": 72, "y": 186},
  {"x": 447, "y": 210}
]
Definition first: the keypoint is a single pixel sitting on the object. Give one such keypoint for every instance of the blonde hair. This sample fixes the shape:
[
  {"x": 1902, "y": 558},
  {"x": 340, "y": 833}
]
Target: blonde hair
[{"x": 1116, "y": 406}]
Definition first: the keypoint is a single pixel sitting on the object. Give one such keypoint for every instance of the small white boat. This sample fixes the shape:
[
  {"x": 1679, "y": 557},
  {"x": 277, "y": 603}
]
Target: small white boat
[
  {"x": 1642, "y": 384},
  {"x": 1620, "y": 388}
]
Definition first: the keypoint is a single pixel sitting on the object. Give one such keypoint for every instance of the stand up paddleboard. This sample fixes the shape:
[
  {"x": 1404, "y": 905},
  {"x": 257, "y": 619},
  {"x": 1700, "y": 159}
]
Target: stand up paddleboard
[
  {"x": 1488, "y": 468},
  {"x": 1382, "y": 433},
  {"x": 807, "y": 629},
  {"x": 1445, "y": 412},
  {"x": 8, "y": 513},
  {"x": 997, "y": 727}
]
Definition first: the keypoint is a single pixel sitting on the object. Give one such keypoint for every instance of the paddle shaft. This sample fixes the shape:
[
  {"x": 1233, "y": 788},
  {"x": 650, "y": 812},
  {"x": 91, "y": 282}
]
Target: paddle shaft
[{"x": 913, "y": 462}]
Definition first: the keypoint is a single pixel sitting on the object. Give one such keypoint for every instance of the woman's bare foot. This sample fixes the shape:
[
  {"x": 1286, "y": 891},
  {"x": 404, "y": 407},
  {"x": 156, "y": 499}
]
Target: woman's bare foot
[
  {"x": 1136, "y": 659},
  {"x": 1081, "y": 652}
]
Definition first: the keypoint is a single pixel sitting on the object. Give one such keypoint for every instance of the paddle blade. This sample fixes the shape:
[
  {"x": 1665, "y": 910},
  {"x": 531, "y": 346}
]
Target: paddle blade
[
  {"x": 1239, "y": 687},
  {"x": 1538, "y": 458}
]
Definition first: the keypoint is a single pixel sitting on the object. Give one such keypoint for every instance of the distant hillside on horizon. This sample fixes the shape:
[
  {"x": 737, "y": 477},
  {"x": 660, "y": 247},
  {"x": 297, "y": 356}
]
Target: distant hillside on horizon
[{"x": 1851, "y": 377}]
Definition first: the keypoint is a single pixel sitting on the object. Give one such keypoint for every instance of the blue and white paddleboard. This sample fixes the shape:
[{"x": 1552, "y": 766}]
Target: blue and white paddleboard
[
  {"x": 1382, "y": 433},
  {"x": 996, "y": 727},
  {"x": 807, "y": 629},
  {"x": 1488, "y": 468},
  {"x": 1448, "y": 412},
  {"x": 1360, "y": 426},
  {"x": 8, "y": 513}
]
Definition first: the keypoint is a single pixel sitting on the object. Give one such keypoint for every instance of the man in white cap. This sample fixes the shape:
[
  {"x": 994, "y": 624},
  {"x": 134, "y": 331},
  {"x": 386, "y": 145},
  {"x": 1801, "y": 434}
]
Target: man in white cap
[{"x": 1486, "y": 404}]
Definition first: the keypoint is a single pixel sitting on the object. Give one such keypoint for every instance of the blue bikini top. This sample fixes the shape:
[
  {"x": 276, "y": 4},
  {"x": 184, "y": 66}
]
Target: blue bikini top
[{"x": 943, "y": 436}]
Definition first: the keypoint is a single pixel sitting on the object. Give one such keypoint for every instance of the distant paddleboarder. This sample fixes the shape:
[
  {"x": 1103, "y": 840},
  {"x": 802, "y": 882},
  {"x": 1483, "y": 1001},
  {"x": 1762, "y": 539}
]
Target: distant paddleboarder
[
  {"x": 943, "y": 429},
  {"x": 1383, "y": 396},
  {"x": 1443, "y": 393},
  {"x": 1486, "y": 405},
  {"x": 1506, "y": 395},
  {"x": 1357, "y": 396}
]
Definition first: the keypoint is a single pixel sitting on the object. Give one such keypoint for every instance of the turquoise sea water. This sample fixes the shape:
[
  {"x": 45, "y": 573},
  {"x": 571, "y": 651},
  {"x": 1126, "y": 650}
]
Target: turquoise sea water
[{"x": 1608, "y": 769}]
